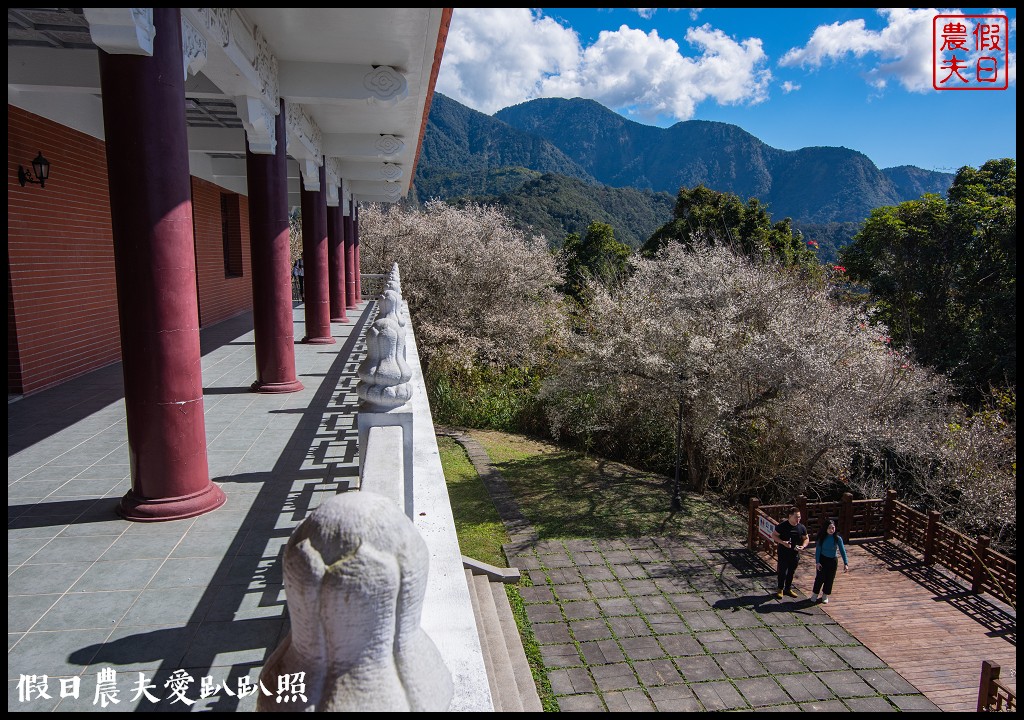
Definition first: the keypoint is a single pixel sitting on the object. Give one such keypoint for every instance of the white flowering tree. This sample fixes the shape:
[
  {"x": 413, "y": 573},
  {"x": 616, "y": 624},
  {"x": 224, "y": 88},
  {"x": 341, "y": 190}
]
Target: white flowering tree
[{"x": 780, "y": 383}]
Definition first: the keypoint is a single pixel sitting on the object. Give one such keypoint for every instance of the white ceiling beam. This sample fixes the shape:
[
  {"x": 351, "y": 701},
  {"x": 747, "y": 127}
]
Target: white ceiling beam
[
  {"x": 339, "y": 83},
  {"x": 356, "y": 170},
  {"x": 368, "y": 145},
  {"x": 36, "y": 69}
]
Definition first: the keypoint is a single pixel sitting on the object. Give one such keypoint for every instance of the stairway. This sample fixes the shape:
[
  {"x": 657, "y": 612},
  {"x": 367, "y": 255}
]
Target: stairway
[{"x": 508, "y": 671}]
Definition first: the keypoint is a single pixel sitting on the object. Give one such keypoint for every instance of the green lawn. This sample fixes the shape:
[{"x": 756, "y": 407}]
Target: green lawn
[
  {"x": 565, "y": 493},
  {"x": 477, "y": 523}
]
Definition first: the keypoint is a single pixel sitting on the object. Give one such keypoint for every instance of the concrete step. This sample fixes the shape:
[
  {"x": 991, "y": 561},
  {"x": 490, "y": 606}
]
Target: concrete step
[
  {"x": 507, "y": 695},
  {"x": 488, "y": 663},
  {"x": 517, "y": 655}
]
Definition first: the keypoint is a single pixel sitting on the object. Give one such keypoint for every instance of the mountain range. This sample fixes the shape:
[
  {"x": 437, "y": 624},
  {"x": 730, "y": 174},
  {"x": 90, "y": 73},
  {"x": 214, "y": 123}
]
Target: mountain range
[{"x": 525, "y": 154}]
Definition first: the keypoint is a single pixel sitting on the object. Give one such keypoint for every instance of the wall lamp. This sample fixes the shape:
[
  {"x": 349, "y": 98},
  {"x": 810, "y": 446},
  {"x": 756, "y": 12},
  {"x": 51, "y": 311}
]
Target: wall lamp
[{"x": 38, "y": 174}]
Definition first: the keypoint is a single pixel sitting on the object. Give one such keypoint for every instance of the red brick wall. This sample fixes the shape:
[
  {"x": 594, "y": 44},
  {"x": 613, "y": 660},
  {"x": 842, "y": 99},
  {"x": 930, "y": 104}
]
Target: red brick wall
[
  {"x": 60, "y": 254},
  {"x": 61, "y": 257},
  {"x": 219, "y": 297}
]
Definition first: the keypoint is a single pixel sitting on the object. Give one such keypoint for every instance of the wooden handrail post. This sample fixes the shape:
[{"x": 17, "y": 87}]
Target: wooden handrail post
[
  {"x": 752, "y": 523},
  {"x": 978, "y": 568},
  {"x": 845, "y": 516},
  {"x": 888, "y": 511},
  {"x": 989, "y": 672},
  {"x": 929, "y": 536}
]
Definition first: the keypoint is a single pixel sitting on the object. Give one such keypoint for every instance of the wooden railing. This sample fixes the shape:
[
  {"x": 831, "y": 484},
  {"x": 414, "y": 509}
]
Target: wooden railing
[
  {"x": 969, "y": 558},
  {"x": 993, "y": 694}
]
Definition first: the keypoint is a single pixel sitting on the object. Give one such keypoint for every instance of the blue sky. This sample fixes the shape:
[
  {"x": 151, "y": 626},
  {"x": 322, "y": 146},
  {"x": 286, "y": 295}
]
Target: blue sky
[{"x": 858, "y": 78}]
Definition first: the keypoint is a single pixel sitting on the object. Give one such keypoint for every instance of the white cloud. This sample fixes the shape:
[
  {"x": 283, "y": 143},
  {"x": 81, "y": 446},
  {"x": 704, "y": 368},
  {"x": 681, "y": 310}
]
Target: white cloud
[
  {"x": 902, "y": 50},
  {"x": 694, "y": 12},
  {"x": 788, "y": 87},
  {"x": 645, "y": 13},
  {"x": 499, "y": 57}
]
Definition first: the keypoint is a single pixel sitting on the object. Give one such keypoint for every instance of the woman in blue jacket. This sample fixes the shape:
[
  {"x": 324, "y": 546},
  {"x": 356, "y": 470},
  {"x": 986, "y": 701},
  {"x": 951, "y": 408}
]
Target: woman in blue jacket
[{"x": 827, "y": 547}]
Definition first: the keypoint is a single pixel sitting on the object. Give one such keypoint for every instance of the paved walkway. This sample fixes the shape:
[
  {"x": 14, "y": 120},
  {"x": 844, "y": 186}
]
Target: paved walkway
[
  {"x": 88, "y": 591},
  {"x": 682, "y": 624}
]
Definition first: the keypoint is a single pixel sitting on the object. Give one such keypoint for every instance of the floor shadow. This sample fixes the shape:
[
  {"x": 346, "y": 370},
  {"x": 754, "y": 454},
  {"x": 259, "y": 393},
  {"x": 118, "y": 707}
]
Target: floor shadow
[
  {"x": 64, "y": 512},
  {"x": 998, "y": 621},
  {"x": 40, "y": 415}
]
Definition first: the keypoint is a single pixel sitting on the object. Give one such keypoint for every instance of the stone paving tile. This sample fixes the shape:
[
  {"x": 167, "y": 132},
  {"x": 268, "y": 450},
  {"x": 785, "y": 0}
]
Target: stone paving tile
[
  {"x": 761, "y": 691},
  {"x": 627, "y": 572},
  {"x": 688, "y": 602},
  {"x": 859, "y": 658},
  {"x": 758, "y": 639},
  {"x": 552, "y": 633},
  {"x": 674, "y": 698},
  {"x": 780, "y": 708},
  {"x": 804, "y": 687},
  {"x": 536, "y": 594},
  {"x": 779, "y": 662},
  {"x": 563, "y": 576},
  {"x": 626, "y": 627},
  {"x": 739, "y": 665},
  {"x": 546, "y": 547},
  {"x": 698, "y": 668},
  {"x": 606, "y": 589},
  {"x": 579, "y": 545},
  {"x": 564, "y": 655},
  {"x": 615, "y": 557},
  {"x": 681, "y": 645},
  {"x": 560, "y": 560},
  {"x": 824, "y": 706},
  {"x": 657, "y": 672},
  {"x": 845, "y": 683},
  {"x": 571, "y": 681},
  {"x": 707, "y": 620},
  {"x": 617, "y": 606},
  {"x": 614, "y": 677},
  {"x": 672, "y": 585},
  {"x": 576, "y": 591},
  {"x": 588, "y": 558},
  {"x": 870, "y": 704},
  {"x": 584, "y": 630},
  {"x": 740, "y": 618},
  {"x": 545, "y": 613},
  {"x": 779, "y": 615},
  {"x": 525, "y": 562},
  {"x": 888, "y": 682},
  {"x": 538, "y": 577},
  {"x": 638, "y": 588},
  {"x": 642, "y": 648},
  {"x": 918, "y": 703},
  {"x": 820, "y": 659},
  {"x": 580, "y": 610},
  {"x": 653, "y": 604},
  {"x": 595, "y": 573},
  {"x": 832, "y": 635},
  {"x": 580, "y": 703},
  {"x": 628, "y": 701},
  {"x": 718, "y": 696},
  {"x": 601, "y": 652},
  {"x": 667, "y": 624},
  {"x": 719, "y": 641},
  {"x": 796, "y": 636}
]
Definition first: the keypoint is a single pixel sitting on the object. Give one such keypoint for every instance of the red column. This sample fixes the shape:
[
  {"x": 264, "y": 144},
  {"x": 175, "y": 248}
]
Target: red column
[
  {"x": 154, "y": 261},
  {"x": 273, "y": 318},
  {"x": 359, "y": 266},
  {"x": 351, "y": 299},
  {"x": 314, "y": 257},
  {"x": 336, "y": 263}
]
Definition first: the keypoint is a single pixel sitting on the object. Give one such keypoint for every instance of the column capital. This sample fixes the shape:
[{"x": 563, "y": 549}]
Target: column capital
[
  {"x": 121, "y": 31},
  {"x": 260, "y": 124}
]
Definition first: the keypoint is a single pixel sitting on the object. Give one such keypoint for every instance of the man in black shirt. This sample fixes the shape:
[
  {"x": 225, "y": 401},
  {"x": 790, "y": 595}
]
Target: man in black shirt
[{"x": 791, "y": 537}]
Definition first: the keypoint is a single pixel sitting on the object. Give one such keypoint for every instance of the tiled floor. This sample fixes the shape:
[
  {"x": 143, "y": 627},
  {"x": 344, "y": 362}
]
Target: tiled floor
[
  {"x": 88, "y": 591},
  {"x": 674, "y": 624}
]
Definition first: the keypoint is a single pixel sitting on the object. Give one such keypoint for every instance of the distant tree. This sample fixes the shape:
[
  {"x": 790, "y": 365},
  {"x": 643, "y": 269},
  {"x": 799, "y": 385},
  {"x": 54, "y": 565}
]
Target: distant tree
[
  {"x": 597, "y": 256},
  {"x": 943, "y": 274},
  {"x": 709, "y": 216}
]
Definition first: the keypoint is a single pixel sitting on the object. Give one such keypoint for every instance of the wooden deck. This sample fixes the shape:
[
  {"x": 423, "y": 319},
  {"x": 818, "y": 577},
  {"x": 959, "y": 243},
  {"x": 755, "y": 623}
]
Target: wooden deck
[{"x": 923, "y": 624}]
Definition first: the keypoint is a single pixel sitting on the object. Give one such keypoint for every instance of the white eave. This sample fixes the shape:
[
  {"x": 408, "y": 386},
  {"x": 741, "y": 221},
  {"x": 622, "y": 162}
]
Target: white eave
[{"x": 355, "y": 83}]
